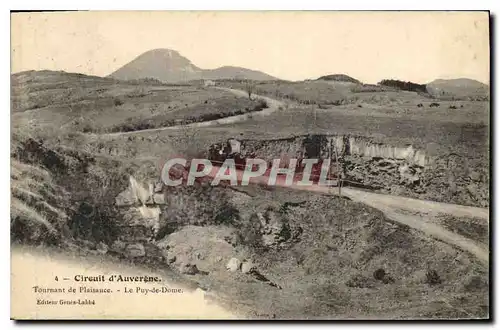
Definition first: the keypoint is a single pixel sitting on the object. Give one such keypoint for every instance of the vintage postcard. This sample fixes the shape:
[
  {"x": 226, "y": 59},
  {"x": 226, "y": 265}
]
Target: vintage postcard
[{"x": 250, "y": 165}]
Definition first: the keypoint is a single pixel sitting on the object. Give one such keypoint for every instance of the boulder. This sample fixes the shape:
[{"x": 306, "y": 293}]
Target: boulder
[
  {"x": 126, "y": 198},
  {"x": 247, "y": 266},
  {"x": 159, "y": 199},
  {"x": 171, "y": 259},
  {"x": 135, "y": 250},
  {"x": 102, "y": 248},
  {"x": 118, "y": 246},
  {"x": 158, "y": 187},
  {"x": 189, "y": 269},
  {"x": 148, "y": 217},
  {"x": 475, "y": 176},
  {"x": 233, "y": 265},
  {"x": 408, "y": 175},
  {"x": 274, "y": 229}
]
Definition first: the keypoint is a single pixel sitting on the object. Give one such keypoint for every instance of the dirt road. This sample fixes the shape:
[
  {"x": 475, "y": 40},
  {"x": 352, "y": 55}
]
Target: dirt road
[
  {"x": 273, "y": 105},
  {"x": 399, "y": 209},
  {"x": 418, "y": 214}
]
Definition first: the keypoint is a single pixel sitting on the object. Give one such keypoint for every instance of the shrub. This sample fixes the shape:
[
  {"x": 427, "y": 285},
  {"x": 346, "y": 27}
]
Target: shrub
[
  {"x": 117, "y": 102},
  {"x": 261, "y": 104},
  {"x": 432, "y": 277},
  {"x": 404, "y": 85}
]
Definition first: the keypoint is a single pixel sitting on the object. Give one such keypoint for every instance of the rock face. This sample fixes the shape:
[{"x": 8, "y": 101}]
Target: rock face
[
  {"x": 318, "y": 146},
  {"x": 402, "y": 170}
]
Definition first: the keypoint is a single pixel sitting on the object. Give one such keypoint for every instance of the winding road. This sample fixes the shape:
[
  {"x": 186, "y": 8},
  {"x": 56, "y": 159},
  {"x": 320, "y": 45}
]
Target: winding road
[{"x": 272, "y": 104}]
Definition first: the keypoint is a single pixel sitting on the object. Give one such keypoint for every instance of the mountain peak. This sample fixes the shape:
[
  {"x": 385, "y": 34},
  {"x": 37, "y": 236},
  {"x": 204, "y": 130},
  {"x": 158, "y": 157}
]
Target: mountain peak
[
  {"x": 162, "y": 52},
  {"x": 169, "y": 65}
]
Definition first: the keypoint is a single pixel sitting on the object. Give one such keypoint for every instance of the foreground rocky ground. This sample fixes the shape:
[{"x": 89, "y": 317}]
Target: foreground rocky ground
[{"x": 266, "y": 253}]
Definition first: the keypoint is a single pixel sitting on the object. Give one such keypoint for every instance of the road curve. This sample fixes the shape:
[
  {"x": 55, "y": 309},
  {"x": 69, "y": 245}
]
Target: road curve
[
  {"x": 395, "y": 208},
  {"x": 273, "y": 105}
]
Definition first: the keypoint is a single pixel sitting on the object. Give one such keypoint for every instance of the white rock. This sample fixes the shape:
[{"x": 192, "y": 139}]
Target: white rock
[
  {"x": 159, "y": 198},
  {"x": 246, "y": 267},
  {"x": 158, "y": 187},
  {"x": 233, "y": 265}
]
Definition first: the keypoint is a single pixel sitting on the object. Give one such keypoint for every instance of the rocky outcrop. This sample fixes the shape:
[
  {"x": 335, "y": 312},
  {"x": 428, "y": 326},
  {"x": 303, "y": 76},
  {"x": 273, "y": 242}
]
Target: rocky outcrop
[
  {"x": 315, "y": 146},
  {"x": 358, "y": 146},
  {"x": 202, "y": 246},
  {"x": 401, "y": 170},
  {"x": 273, "y": 229},
  {"x": 140, "y": 209},
  {"x": 136, "y": 194}
]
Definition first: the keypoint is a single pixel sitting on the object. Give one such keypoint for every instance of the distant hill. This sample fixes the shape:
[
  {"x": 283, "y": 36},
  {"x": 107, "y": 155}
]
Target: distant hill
[
  {"x": 339, "y": 77},
  {"x": 234, "y": 72},
  {"x": 458, "y": 89},
  {"x": 404, "y": 85},
  {"x": 169, "y": 66}
]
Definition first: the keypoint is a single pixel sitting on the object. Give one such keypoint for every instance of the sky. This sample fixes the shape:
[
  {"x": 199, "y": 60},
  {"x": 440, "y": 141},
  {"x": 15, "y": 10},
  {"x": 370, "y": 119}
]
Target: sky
[{"x": 369, "y": 46}]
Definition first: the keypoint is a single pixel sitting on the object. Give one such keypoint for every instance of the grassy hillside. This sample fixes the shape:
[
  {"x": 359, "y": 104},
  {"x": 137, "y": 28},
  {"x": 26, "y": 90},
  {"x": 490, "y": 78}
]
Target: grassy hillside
[
  {"x": 459, "y": 89},
  {"x": 71, "y": 102},
  {"x": 327, "y": 92}
]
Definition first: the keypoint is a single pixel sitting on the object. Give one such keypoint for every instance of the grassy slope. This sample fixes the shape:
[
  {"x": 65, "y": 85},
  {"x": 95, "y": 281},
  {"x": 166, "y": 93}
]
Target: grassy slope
[
  {"x": 61, "y": 194},
  {"x": 37, "y": 206},
  {"x": 75, "y": 102}
]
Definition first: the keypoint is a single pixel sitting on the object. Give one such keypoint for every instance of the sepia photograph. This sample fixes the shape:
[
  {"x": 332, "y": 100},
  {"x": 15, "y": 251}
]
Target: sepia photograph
[{"x": 250, "y": 165}]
